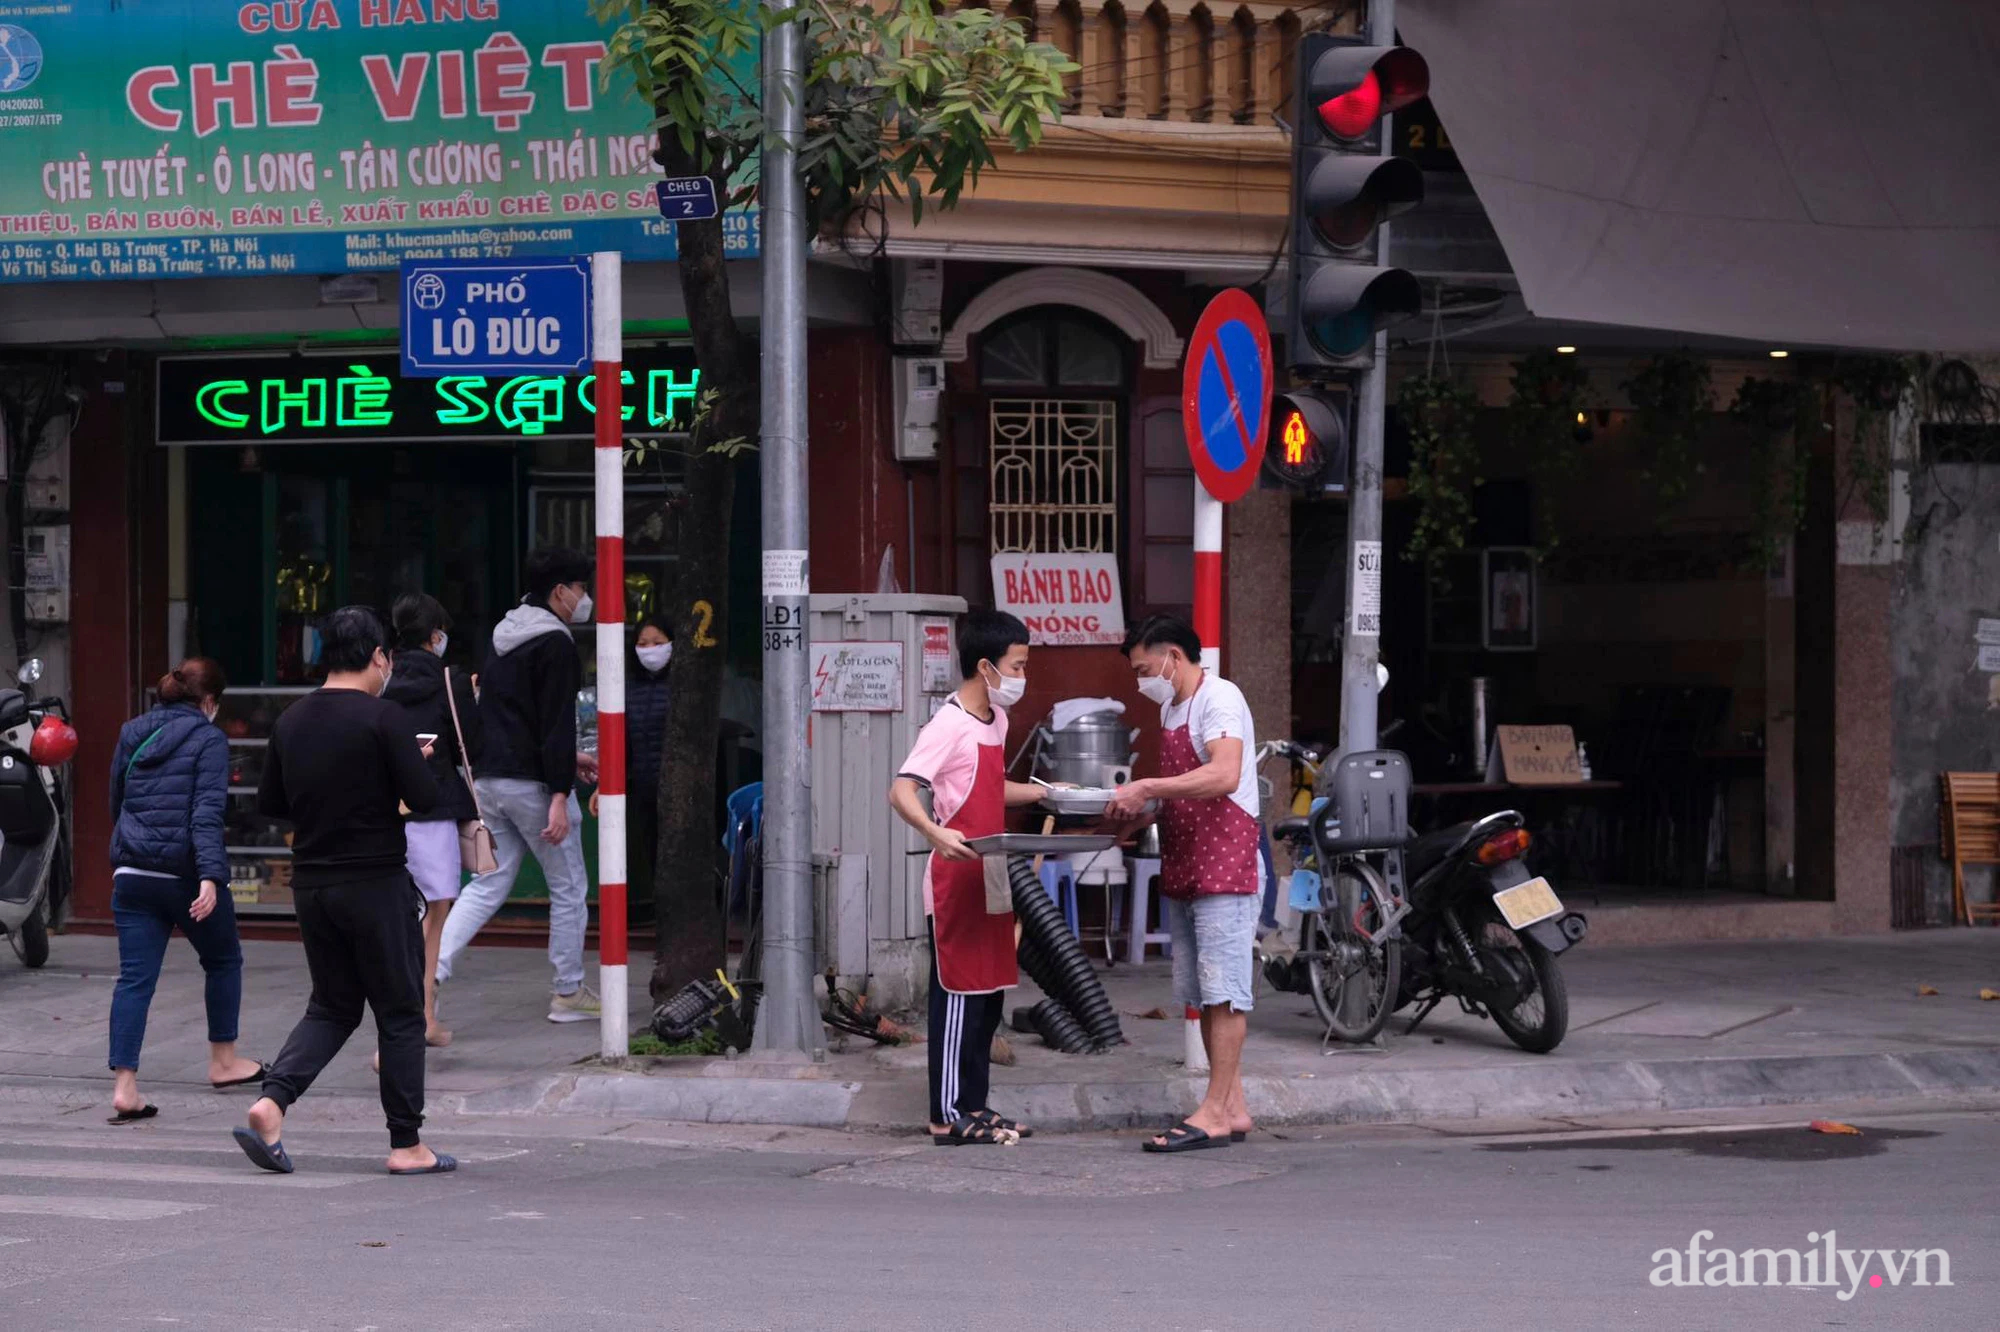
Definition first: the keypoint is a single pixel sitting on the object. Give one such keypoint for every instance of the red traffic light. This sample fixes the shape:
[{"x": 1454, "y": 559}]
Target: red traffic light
[
  {"x": 1353, "y": 87},
  {"x": 1351, "y": 114}
]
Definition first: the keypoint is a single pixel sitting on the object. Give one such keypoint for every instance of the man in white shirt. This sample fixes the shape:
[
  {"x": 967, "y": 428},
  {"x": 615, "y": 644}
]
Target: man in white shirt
[{"x": 1209, "y": 871}]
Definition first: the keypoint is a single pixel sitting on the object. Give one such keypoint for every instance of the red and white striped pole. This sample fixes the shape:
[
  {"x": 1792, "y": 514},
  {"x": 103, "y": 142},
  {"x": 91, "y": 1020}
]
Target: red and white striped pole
[
  {"x": 607, "y": 349},
  {"x": 1208, "y": 628},
  {"x": 1208, "y": 576}
]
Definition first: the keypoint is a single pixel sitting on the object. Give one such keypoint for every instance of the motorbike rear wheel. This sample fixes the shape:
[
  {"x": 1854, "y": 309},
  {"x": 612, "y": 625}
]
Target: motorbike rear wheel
[
  {"x": 1540, "y": 1020},
  {"x": 1341, "y": 932},
  {"x": 31, "y": 941}
]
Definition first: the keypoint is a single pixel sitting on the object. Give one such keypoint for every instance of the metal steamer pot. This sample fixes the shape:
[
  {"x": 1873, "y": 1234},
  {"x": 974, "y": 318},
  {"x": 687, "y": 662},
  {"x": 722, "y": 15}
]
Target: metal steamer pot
[{"x": 1094, "y": 750}]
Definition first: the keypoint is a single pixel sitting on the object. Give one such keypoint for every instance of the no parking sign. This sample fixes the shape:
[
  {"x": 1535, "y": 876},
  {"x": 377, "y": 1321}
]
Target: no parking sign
[{"x": 1226, "y": 394}]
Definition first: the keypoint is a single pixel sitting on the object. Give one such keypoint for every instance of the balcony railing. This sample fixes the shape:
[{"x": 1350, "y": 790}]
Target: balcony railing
[{"x": 1175, "y": 60}]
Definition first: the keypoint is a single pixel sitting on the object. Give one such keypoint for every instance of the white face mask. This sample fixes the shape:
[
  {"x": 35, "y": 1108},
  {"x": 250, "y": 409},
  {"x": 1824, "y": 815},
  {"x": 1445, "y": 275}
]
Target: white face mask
[
  {"x": 655, "y": 656},
  {"x": 388, "y": 674},
  {"x": 1159, "y": 688},
  {"x": 1008, "y": 692},
  {"x": 442, "y": 639},
  {"x": 580, "y": 613}
]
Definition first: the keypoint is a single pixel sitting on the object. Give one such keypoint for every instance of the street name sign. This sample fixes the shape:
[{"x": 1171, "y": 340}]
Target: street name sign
[
  {"x": 480, "y": 317},
  {"x": 687, "y": 198}
]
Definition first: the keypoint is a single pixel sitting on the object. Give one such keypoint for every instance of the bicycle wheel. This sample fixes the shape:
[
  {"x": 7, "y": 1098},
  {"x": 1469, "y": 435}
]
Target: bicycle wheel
[{"x": 1353, "y": 978}]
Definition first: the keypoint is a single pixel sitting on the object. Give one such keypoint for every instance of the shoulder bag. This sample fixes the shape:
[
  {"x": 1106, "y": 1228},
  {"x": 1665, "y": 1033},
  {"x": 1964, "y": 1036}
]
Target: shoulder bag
[{"x": 476, "y": 851}]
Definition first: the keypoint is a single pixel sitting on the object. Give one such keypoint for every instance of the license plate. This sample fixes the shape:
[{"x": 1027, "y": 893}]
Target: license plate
[{"x": 1526, "y": 903}]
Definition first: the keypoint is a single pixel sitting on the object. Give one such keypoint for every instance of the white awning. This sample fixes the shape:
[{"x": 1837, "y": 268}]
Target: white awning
[{"x": 1793, "y": 172}]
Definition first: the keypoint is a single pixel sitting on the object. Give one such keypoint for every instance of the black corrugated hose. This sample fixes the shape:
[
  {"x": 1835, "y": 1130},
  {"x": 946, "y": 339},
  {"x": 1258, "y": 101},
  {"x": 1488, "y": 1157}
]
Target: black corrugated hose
[
  {"x": 1059, "y": 1028},
  {"x": 1055, "y": 960}
]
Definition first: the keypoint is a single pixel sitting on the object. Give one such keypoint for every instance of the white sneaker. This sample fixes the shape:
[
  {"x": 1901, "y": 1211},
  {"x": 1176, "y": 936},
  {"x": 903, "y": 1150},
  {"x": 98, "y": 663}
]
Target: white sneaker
[{"x": 582, "y": 1006}]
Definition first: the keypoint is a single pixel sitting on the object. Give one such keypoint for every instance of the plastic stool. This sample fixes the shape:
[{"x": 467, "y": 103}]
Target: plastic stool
[
  {"x": 1059, "y": 882},
  {"x": 1142, "y": 872}
]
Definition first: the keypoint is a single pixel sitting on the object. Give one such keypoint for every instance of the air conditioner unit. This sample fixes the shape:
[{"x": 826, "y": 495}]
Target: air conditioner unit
[{"x": 919, "y": 388}]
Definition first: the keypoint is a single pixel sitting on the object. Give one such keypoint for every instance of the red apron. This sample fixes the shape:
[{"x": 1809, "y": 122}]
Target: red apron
[
  {"x": 1207, "y": 847},
  {"x": 975, "y": 948}
]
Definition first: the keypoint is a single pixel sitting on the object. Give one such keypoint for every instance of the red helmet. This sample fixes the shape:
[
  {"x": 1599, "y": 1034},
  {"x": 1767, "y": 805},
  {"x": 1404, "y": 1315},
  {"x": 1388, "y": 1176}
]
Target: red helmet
[{"x": 54, "y": 743}]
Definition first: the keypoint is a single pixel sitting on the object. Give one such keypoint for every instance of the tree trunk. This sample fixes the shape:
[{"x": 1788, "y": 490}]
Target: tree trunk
[{"x": 687, "y": 876}]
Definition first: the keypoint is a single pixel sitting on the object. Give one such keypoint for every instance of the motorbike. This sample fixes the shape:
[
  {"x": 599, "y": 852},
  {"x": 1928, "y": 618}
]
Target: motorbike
[
  {"x": 1484, "y": 931},
  {"x": 36, "y": 742},
  {"x": 1473, "y": 925}
]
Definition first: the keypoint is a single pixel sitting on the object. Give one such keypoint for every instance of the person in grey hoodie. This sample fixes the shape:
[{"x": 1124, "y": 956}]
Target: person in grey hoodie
[{"x": 527, "y": 769}]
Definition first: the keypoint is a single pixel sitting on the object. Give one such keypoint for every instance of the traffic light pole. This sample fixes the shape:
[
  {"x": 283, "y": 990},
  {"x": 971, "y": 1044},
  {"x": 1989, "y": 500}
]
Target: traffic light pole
[
  {"x": 788, "y": 1020},
  {"x": 1362, "y": 640}
]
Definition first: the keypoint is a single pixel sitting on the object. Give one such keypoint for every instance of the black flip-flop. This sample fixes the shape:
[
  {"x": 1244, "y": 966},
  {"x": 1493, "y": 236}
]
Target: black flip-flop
[
  {"x": 1000, "y": 1121},
  {"x": 1184, "y": 1137},
  {"x": 968, "y": 1131},
  {"x": 264, "y": 1155},
  {"x": 444, "y": 1165},
  {"x": 1238, "y": 1135},
  {"x": 258, "y": 1076},
  {"x": 133, "y": 1116}
]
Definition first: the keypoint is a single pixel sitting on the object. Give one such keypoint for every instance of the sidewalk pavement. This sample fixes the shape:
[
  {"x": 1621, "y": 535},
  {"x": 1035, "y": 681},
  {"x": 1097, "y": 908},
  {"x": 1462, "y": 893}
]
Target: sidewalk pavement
[{"x": 1652, "y": 1030}]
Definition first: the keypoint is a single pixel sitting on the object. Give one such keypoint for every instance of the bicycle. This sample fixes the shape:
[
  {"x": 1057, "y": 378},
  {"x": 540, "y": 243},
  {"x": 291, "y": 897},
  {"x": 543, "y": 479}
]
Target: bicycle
[{"x": 1348, "y": 908}]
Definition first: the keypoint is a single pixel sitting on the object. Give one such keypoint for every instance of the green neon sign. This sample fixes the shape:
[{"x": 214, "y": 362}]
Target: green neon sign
[{"x": 356, "y": 398}]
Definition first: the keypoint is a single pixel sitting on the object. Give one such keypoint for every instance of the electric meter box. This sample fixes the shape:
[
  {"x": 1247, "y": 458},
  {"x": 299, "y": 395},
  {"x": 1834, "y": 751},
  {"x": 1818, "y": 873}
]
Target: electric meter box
[
  {"x": 880, "y": 664},
  {"x": 46, "y": 588}
]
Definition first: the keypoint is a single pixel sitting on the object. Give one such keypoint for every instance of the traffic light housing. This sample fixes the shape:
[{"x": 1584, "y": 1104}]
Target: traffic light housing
[
  {"x": 1309, "y": 439},
  {"x": 1341, "y": 194}
]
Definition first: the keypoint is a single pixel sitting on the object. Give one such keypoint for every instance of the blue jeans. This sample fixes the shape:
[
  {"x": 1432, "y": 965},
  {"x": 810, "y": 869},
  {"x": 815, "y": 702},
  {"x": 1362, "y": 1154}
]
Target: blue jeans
[
  {"x": 147, "y": 911},
  {"x": 1213, "y": 940},
  {"x": 516, "y": 812}
]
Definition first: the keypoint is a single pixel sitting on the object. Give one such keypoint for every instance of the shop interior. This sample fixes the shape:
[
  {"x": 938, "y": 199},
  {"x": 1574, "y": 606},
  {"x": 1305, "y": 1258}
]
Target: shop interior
[{"x": 1596, "y": 594}]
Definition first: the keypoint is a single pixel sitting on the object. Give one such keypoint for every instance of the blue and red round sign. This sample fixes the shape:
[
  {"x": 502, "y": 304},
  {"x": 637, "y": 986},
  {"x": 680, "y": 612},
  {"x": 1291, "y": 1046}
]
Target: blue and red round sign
[{"x": 1226, "y": 394}]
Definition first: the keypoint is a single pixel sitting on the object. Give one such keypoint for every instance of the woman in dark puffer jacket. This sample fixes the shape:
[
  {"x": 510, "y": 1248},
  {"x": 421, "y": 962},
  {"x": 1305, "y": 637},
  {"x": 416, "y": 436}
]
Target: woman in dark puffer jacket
[
  {"x": 169, "y": 786},
  {"x": 645, "y": 739}
]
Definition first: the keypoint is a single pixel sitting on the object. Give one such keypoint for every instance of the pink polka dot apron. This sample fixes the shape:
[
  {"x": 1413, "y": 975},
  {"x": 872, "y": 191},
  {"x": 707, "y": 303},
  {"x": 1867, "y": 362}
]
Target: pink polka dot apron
[{"x": 1208, "y": 847}]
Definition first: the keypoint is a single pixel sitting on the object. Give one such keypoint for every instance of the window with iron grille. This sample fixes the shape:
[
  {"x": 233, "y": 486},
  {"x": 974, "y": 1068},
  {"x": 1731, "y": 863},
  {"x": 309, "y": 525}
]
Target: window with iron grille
[{"x": 1053, "y": 475}]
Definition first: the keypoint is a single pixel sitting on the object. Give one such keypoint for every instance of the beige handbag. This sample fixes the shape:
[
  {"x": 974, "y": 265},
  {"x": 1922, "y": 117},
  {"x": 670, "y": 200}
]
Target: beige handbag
[{"x": 476, "y": 852}]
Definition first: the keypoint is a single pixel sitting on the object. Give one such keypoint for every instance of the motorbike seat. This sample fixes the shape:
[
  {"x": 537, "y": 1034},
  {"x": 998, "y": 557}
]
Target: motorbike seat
[{"x": 1424, "y": 853}]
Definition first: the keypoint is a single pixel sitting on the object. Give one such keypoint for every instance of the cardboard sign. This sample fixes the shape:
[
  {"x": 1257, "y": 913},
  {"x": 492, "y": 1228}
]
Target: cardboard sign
[
  {"x": 1065, "y": 600},
  {"x": 857, "y": 677},
  {"x": 1539, "y": 755}
]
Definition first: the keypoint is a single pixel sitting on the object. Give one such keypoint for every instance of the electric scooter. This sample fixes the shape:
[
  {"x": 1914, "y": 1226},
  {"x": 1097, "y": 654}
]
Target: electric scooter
[{"x": 36, "y": 742}]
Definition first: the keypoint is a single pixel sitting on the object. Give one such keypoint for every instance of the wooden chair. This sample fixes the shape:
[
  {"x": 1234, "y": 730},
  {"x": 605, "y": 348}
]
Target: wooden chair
[{"x": 1971, "y": 816}]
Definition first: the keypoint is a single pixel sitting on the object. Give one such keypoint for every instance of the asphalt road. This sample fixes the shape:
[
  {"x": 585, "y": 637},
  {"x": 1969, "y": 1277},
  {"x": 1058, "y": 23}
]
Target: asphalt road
[{"x": 570, "y": 1225}]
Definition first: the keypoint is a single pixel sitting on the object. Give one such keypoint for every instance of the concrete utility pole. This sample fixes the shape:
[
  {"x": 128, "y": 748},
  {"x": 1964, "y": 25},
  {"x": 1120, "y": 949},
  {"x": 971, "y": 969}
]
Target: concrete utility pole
[
  {"x": 788, "y": 1020},
  {"x": 1362, "y": 648}
]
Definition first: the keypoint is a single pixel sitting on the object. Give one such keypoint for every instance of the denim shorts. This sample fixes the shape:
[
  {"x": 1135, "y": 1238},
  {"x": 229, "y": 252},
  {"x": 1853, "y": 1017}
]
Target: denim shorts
[{"x": 1214, "y": 938}]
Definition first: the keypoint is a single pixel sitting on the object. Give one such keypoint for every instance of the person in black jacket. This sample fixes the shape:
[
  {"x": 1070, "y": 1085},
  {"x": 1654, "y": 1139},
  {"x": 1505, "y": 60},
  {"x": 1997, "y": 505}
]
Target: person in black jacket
[
  {"x": 169, "y": 787},
  {"x": 645, "y": 739},
  {"x": 527, "y": 770},
  {"x": 340, "y": 764},
  {"x": 421, "y": 679}
]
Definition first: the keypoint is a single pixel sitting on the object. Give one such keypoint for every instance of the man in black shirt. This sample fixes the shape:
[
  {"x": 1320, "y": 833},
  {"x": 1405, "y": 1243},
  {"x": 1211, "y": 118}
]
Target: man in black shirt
[{"x": 339, "y": 765}]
